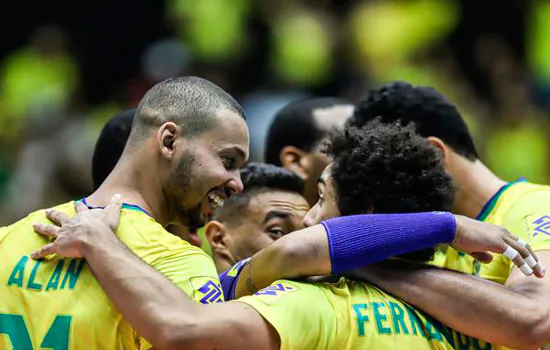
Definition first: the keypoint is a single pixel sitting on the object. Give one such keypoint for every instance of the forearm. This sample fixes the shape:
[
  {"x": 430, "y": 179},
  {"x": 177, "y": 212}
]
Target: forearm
[
  {"x": 470, "y": 305},
  {"x": 146, "y": 299},
  {"x": 344, "y": 243},
  {"x": 298, "y": 254}
]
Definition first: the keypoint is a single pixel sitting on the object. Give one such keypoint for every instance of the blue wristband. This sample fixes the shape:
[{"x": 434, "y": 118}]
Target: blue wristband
[{"x": 359, "y": 240}]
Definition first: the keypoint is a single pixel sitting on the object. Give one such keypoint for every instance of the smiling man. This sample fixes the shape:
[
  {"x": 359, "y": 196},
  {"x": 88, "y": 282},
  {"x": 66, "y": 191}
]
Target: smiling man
[
  {"x": 293, "y": 315},
  {"x": 109, "y": 148},
  {"x": 182, "y": 159}
]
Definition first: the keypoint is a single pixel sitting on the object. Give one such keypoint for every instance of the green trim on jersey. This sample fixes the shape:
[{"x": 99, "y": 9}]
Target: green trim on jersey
[{"x": 490, "y": 205}]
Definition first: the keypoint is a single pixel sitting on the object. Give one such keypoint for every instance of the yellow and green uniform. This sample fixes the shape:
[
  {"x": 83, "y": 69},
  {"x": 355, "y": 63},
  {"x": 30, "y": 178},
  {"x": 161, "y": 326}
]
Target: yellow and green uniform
[
  {"x": 350, "y": 315},
  {"x": 57, "y": 303},
  {"x": 523, "y": 209}
]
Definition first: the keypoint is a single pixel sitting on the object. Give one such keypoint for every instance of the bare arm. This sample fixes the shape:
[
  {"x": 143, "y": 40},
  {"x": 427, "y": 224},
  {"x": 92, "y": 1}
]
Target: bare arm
[
  {"x": 298, "y": 254},
  {"x": 155, "y": 308},
  {"x": 306, "y": 253},
  {"x": 516, "y": 315},
  {"x": 165, "y": 315}
]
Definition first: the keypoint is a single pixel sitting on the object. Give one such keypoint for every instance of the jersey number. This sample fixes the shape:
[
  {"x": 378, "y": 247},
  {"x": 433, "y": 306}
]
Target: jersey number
[{"x": 57, "y": 337}]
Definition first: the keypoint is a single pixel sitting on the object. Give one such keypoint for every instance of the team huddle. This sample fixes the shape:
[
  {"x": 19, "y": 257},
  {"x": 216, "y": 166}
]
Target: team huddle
[{"x": 373, "y": 226}]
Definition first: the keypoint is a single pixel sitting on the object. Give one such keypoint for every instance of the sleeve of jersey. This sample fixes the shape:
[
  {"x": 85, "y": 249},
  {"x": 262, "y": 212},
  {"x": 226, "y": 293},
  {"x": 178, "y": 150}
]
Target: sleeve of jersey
[
  {"x": 529, "y": 219},
  {"x": 193, "y": 272},
  {"x": 300, "y": 313},
  {"x": 229, "y": 278}
]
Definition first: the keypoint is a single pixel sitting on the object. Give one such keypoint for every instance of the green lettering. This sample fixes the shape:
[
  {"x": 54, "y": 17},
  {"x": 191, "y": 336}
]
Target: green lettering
[
  {"x": 53, "y": 283},
  {"x": 31, "y": 284},
  {"x": 433, "y": 332},
  {"x": 58, "y": 336},
  {"x": 415, "y": 322},
  {"x": 16, "y": 277},
  {"x": 380, "y": 318},
  {"x": 463, "y": 342},
  {"x": 73, "y": 272},
  {"x": 398, "y": 318},
  {"x": 477, "y": 345},
  {"x": 16, "y": 329},
  {"x": 361, "y": 319}
]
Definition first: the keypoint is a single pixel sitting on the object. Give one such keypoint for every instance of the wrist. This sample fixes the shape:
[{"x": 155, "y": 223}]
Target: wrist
[
  {"x": 458, "y": 220},
  {"x": 102, "y": 239},
  {"x": 359, "y": 240}
]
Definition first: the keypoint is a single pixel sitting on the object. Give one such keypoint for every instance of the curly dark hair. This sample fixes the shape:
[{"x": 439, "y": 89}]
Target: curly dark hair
[
  {"x": 431, "y": 112},
  {"x": 388, "y": 168}
]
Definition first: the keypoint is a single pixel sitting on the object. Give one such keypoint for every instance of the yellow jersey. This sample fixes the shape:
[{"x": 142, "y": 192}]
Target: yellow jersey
[
  {"x": 523, "y": 209},
  {"x": 57, "y": 303},
  {"x": 350, "y": 315}
]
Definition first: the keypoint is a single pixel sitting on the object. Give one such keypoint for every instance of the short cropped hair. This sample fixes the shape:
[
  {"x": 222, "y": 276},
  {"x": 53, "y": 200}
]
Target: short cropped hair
[
  {"x": 431, "y": 112},
  {"x": 294, "y": 125},
  {"x": 257, "y": 178},
  {"x": 110, "y": 145},
  {"x": 190, "y": 102},
  {"x": 388, "y": 168}
]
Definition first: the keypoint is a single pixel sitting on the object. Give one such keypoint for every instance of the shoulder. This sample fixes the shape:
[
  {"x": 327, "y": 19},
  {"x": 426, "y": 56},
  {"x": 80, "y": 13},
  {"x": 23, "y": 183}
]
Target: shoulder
[
  {"x": 530, "y": 197},
  {"x": 147, "y": 238},
  {"x": 287, "y": 292},
  {"x": 531, "y": 205},
  {"x": 528, "y": 216},
  {"x": 169, "y": 254},
  {"x": 294, "y": 309},
  {"x": 39, "y": 216}
]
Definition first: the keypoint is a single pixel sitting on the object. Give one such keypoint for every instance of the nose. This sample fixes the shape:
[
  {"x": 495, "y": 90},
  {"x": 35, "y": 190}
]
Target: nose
[{"x": 235, "y": 185}]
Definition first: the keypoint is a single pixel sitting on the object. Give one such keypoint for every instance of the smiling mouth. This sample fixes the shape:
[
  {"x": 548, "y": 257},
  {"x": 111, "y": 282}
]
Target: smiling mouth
[{"x": 216, "y": 201}]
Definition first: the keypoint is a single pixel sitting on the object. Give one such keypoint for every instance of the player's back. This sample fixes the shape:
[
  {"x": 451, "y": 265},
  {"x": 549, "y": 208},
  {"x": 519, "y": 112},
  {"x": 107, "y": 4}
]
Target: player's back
[
  {"x": 350, "y": 315},
  {"x": 57, "y": 303}
]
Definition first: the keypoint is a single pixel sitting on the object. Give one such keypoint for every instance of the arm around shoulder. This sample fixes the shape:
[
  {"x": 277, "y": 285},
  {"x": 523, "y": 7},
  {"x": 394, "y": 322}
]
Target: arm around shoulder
[{"x": 229, "y": 326}]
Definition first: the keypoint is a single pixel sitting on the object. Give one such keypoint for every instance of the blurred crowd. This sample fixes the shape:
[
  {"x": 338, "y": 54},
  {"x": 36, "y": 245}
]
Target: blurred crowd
[{"x": 57, "y": 90}]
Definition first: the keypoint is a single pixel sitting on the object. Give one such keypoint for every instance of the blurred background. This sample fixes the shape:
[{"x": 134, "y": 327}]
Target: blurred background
[{"x": 66, "y": 67}]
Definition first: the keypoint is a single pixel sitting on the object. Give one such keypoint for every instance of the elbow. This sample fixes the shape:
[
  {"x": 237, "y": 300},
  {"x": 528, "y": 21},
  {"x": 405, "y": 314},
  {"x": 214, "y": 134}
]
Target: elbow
[
  {"x": 171, "y": 337},
  {"x": 534, "y": 330},
  {"x": 179, "y": 332},
  {"x": 178, "y": 336}
]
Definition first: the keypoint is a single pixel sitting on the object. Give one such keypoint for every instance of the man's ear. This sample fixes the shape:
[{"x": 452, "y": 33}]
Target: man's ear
[
  {"x": 441, "y": 147},
  {"x": 294, "y": 160},
  {"x": 167, "y": 135},
  {"x": 216, "y": 234}
]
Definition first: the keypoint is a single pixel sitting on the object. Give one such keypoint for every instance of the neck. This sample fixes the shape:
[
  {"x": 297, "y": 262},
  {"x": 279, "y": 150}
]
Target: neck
[
  {"x": 136, "y": 184},
  {"x": 221, "y": 263},
  {"x": 476, "y": 185}
]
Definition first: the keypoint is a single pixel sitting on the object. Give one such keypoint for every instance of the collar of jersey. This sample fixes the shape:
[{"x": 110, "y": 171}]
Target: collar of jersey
[
  {"x": 490, "y": 205},
  {"x": 124, "y": 206}
]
